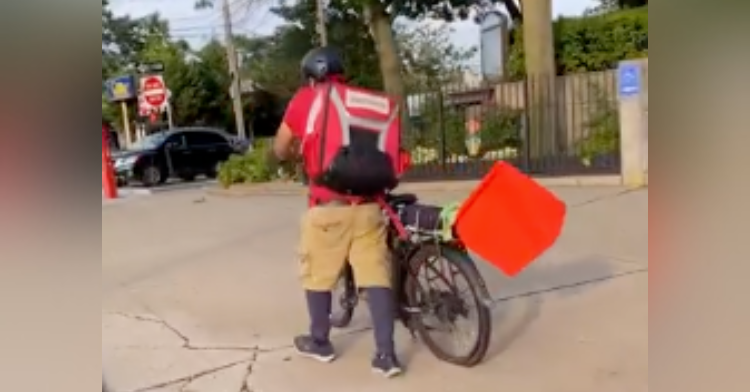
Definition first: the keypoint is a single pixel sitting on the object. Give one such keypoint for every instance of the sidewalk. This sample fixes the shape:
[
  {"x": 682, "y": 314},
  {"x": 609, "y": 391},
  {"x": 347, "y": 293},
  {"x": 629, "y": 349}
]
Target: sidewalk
[{"x": 201, "y": 294}]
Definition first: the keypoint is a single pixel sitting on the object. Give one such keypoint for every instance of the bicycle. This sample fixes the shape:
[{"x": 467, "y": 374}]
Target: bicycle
[{"x": 416, "y": 242}]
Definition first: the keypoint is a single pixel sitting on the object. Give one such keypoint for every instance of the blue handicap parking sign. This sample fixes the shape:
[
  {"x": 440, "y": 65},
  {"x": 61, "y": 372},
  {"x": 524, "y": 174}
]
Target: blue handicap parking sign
[{"x": 629, "y": 80}]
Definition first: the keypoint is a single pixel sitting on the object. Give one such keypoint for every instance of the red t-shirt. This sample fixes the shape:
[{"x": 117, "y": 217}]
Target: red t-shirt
[{"x": 295, "y": 118}]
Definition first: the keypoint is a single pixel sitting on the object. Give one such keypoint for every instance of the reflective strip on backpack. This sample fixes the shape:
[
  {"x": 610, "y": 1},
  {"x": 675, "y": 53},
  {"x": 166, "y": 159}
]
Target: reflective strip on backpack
[
  {"x": 315, "y": 109},
  {"x": 347, "y": 121}
]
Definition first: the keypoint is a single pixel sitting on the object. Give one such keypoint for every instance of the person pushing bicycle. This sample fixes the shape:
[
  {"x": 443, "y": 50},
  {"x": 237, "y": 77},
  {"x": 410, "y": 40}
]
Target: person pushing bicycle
[{"x": 350, "y": 145}]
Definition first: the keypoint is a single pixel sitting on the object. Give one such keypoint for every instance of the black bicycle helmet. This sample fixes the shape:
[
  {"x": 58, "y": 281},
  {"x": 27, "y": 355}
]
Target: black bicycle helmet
[{"x": 320, "y": 64}]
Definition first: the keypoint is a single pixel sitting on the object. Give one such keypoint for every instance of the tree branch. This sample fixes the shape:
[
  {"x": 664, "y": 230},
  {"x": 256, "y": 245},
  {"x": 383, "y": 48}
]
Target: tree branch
[{"x": 514, "y": 10}]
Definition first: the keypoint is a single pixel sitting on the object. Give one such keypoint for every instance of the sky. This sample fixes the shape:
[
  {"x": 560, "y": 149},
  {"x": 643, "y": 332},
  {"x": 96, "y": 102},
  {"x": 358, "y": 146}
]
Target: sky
[{"x": 200, "y": 26}]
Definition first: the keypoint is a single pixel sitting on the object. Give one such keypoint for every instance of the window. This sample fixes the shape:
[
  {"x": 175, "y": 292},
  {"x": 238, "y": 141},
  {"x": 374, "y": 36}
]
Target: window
[
  {"x": 176, "y": 141},
  {"x": 205, "y": 139},
  {"x": 151, "y": 142}
]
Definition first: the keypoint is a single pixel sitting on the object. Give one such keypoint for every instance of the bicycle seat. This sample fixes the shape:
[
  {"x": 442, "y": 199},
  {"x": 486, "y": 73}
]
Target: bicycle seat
[{"x": 402, "y": 199}]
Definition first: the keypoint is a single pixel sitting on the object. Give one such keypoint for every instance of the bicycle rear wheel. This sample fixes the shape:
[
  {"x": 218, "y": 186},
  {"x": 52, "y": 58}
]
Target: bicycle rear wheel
[{"x": 441, "y": 308}]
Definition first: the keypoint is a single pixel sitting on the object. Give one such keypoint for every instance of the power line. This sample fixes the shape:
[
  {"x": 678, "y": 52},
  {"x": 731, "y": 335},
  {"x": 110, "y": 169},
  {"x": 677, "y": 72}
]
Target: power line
[{"x": 207, "y": 20}]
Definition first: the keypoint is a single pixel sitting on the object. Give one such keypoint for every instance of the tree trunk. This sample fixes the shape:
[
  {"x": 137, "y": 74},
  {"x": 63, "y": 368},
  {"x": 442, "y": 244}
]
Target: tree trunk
[
  {"x": 381, "y": 30},
  {"x": 542, "y": 139}
]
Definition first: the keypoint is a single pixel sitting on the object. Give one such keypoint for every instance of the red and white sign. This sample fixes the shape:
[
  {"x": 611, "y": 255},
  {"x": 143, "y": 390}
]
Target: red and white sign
[
  {"x": 144, "y": 109},
  {"x": 154, "y": 91},
  {"x": 473, "y": 127}
]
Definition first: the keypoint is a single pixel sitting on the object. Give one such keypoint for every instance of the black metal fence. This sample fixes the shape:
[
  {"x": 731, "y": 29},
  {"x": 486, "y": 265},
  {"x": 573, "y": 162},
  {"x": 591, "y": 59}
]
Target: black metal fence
[{"x": 547, "y": 127}]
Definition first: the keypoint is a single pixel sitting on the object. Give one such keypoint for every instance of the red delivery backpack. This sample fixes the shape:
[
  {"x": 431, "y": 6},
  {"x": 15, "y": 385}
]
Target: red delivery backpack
[{"x": 352, "y": 141}]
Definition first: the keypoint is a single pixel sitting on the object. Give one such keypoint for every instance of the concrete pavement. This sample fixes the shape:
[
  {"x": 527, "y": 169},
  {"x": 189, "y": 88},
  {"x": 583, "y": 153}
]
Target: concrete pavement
[{"x": 200, "y": 294}]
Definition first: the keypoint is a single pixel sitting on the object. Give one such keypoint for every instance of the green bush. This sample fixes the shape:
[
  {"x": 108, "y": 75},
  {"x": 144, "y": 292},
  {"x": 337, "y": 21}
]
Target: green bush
[
  {"x": 253, "y": 167},
  {"x": 438, "y": 128},
  {"x": 603, "y": 138},
  {"x": 501, "y": 130},
  {"x": 591, "y": 43},
  {"x": 257, "y": 167}
]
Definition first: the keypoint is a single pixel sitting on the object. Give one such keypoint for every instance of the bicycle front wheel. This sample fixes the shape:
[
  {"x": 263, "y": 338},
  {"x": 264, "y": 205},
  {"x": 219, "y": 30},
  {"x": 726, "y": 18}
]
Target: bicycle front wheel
[
  {"x": 432, "y": 289},
  {"x": 345, "y": 298}
]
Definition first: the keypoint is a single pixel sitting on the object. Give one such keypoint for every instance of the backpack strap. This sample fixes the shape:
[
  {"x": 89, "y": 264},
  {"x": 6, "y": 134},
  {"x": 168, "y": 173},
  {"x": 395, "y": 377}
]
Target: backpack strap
[{"x": 324, "y": 128}]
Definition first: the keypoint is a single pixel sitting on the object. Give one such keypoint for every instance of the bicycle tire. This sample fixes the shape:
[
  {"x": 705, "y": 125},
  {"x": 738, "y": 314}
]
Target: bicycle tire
[
  {"x": 468, "y": 269},
  {"x": 342, "y": 317}
]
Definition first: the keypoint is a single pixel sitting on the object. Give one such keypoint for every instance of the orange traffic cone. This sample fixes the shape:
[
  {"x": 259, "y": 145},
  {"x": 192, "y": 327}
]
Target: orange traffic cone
[{"x": 109, "y": 183}]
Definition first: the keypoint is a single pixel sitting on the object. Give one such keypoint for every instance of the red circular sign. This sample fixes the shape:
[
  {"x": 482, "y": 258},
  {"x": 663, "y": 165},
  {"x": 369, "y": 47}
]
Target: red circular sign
[{"x": 154, "y": 91}]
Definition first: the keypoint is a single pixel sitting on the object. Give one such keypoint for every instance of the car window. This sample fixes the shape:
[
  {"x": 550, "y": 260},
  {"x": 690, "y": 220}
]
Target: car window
[
  {"x": 176, "y": 140},
  {"x": 151, "y": 141},
  {"x": 205, "y": 139}
]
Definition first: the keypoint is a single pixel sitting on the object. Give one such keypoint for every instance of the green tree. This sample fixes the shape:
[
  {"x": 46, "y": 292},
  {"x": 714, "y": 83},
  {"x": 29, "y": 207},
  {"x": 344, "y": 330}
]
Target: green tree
[
  {"x": 273, "y": 62},
  {"x": 607, "y": 6},
  {"x": 376, "y": 18},
  {"x": 430, "y": 60},
  {"x": 431, "y": 64}
]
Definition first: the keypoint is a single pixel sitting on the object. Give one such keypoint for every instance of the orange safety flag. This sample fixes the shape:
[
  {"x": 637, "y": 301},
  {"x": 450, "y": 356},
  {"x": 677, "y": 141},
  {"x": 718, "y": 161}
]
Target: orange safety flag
[{"x": 510, "y": 220}]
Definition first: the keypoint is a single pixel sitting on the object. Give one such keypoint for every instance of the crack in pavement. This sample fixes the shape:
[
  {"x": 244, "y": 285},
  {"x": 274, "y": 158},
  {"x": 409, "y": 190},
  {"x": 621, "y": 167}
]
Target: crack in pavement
[
  {"x": 627, "y": 261},
  {"x": 184, "y": 382},
  {"x": 246, "y": 385},
  {"x": 588, "y": 282},
  {"x": 612, "y": 196},
  {"x": 186, "y": 342}
]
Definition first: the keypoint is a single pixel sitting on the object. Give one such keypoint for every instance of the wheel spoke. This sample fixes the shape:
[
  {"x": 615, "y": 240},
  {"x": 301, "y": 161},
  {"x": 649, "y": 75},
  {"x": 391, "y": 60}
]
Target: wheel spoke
[{"x": 445, "y": 308}]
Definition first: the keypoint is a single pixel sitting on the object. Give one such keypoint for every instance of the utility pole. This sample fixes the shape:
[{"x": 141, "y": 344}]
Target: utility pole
[
  {"x": 322, "y": 29},
  {"x": 234, "y": 72}
]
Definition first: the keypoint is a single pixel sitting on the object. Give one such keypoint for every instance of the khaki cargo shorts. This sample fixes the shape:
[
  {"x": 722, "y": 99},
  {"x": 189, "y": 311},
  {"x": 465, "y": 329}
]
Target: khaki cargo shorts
[{"x": 333, "y": 235}]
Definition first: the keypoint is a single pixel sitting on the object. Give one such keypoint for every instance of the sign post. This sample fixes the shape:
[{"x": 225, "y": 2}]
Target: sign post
[
  {"x": 122, "y": 89},
  {"x": 126, "y": 123},
  {"x": 633, "y": 122}
]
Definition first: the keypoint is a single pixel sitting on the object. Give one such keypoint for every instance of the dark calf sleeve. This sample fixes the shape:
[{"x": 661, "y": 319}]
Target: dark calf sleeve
[
  {"x": 319, "y": 306},
  {"x": 382, "y": 309}
]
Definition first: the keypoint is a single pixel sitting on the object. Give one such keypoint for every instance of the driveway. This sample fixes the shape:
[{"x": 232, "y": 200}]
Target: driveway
[{"x": 200, "y": 294}]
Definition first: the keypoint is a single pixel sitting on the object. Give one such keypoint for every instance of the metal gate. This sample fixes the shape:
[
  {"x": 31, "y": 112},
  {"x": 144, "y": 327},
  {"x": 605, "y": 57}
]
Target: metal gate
[{"x": 553, "y": 127}]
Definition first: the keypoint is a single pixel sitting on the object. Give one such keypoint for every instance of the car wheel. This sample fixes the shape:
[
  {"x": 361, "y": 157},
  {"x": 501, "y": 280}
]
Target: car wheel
[
  {"x": 213, "y": 172},
  {"x": 152, "y": 176},
  {"x": 187, "y": 177}
]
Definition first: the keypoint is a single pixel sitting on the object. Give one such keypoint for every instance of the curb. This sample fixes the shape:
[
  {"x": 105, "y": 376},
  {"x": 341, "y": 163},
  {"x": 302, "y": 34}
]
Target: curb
[
  {"x": 243, "y": 191},
  {"x": 127, "y": 192},
  {"x": 568, "y": 182},
  {"x": 124, "y": 195}
]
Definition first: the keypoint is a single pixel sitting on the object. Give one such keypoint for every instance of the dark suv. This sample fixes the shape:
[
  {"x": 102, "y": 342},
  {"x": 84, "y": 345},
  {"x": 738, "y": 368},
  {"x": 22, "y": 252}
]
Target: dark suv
[{"x": 182, "y": 153}]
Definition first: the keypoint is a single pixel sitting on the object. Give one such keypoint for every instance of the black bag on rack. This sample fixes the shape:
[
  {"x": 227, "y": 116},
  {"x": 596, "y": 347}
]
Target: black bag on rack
[{"x": 421, "y": 217}]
